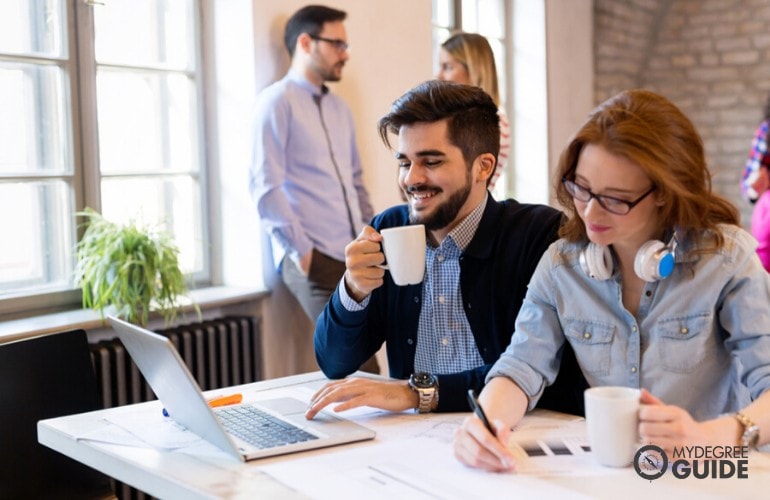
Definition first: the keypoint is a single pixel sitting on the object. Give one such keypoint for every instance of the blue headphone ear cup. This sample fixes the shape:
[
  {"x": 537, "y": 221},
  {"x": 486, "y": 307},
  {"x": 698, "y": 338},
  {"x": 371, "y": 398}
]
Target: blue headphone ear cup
[
  {"x": 596, "y": 261},
  {"x": 654, "y": 261}
]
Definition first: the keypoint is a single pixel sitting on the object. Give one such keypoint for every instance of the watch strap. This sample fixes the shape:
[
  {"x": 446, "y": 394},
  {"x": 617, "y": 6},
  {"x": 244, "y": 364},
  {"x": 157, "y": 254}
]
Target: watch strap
[
  {"x": 750, "y": 435},
  {"x": 427, "y": 394},
  {"x": 426, "y": 399}
]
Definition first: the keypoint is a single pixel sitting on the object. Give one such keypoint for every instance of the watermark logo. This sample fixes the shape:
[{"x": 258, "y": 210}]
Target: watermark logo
[
  {"x": 720, "y": 462},
  {"x": 650, "y": 462}
]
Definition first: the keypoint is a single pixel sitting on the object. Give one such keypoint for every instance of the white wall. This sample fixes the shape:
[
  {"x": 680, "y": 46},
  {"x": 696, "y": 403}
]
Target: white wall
[
  {"x": 569, "y": 42},
  {"x": 390, "y": 53}
]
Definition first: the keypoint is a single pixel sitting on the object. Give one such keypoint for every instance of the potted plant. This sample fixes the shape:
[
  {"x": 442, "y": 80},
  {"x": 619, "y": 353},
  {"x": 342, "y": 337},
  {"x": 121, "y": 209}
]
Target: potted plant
[{"x": 131, "y": 267}]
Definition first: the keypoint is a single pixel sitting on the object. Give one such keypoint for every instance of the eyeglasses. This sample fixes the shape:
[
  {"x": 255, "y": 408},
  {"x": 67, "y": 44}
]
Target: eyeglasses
[
  {"x": 339, "y": 45},
  {"x": 613, "y": 205}
]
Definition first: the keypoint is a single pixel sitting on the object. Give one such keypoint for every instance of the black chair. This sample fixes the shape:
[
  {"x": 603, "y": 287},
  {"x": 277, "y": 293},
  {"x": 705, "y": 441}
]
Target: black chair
[{"x": 45, "y": 377}]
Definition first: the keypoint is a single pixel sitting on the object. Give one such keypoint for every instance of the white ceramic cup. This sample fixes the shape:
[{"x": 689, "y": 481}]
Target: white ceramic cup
[
  {"x": 612, "y": 418},
  {"x": 404, "y": 249}
]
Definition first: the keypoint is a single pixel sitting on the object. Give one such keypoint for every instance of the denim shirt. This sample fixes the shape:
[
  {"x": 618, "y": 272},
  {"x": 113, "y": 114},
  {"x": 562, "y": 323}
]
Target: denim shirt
[{"x": 700, "y": 339}]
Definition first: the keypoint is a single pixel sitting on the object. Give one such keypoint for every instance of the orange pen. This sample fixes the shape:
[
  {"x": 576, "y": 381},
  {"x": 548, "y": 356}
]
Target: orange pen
[{"x": 232, "y": 399}]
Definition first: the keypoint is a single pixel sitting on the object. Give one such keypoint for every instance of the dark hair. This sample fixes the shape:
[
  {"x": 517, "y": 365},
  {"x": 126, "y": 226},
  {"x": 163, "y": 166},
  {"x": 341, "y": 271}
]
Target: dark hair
[
  {"x": 472, "y": 121},
  {"x": 650, "y": 131},
  {"x": 309, "y": 19}
]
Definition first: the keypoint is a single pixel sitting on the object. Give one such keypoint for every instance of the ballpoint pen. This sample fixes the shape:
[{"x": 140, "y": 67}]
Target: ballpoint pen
[
  {"x": 479, "y": 411},
  {"x": 232, "y": 399}
]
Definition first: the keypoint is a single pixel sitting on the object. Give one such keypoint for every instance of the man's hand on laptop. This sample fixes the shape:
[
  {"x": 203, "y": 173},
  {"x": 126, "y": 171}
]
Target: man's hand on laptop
[{"x": 391, "y": 395}]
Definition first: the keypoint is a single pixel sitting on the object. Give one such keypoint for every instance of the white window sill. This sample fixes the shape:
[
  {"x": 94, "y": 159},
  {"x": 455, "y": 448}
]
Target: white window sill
[{"x": 206, "y": 298}]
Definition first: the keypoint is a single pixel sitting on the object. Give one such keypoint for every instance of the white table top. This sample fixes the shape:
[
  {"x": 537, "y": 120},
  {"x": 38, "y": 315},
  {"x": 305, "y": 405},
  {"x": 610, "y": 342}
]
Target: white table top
[{"x": 411, "y": 457}]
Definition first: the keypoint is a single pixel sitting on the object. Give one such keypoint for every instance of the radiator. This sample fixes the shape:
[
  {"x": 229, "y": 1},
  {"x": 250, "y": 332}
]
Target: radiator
[{"x": 219, "y": 353}]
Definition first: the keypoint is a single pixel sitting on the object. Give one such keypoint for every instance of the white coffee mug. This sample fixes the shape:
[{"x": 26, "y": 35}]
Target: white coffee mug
[
  {"x": 404, "y": 249},
  {"x": 612, "y": 418}
]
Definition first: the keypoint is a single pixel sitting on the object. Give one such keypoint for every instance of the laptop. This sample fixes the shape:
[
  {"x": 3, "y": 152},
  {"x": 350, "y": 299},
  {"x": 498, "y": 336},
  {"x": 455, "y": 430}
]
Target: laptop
[{"x": 272, "y": 427}]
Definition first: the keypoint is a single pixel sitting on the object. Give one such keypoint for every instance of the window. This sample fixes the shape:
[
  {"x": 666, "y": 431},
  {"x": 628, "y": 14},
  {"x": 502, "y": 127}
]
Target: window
[
  {"x": 100, "y": 107},
  {"x": 515, "y": 30},
  {"x": 487, "y": 18}
]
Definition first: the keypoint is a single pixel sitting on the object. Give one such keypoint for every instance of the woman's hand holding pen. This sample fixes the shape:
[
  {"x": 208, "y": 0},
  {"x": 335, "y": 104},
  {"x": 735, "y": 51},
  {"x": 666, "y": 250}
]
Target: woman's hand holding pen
[{"x": 475, "y": 446}]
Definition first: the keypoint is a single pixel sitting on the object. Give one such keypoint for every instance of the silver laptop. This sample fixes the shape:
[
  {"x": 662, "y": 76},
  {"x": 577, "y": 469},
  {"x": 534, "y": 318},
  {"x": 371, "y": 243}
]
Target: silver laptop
[{"x": 273, "y": 427}]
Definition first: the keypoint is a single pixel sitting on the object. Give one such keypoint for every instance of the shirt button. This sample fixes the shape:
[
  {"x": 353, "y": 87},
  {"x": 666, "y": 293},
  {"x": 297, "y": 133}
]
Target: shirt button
[
  {"x": 441, "y": 299},
  {"x": 445, "y": 341},
  {"x": 684, "y": 330},
  {"x": 633, "y": 328},
  {"x": 440, "y": 258},
  {"x": 648, "y": 293},
  {"x": 409, "y": 341},
  {"x": 417, "y": 299},
  {"x": 587, "y": 335},
  {"x": 633, "y": 369}
]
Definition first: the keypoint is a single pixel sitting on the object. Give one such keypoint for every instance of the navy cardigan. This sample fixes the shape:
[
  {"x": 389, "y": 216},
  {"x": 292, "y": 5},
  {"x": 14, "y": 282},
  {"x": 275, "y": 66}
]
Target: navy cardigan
[{"x": 495, "y": 270}]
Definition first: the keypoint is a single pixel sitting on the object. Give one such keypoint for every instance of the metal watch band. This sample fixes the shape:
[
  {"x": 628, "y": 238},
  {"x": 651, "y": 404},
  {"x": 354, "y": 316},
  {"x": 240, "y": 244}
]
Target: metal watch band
[
  {"x": 750, "y": 435},
  {"x": 426, "y": 399}
]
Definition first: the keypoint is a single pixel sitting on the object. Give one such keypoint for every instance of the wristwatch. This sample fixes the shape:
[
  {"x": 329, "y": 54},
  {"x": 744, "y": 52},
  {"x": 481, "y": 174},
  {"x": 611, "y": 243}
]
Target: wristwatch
[
  {"x": 750, "y": 435},
  {"x": 426, "y": 387}
]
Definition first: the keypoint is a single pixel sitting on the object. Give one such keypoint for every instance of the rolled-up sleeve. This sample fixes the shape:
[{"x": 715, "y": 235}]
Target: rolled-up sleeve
[{"x": 533, "y": 357}]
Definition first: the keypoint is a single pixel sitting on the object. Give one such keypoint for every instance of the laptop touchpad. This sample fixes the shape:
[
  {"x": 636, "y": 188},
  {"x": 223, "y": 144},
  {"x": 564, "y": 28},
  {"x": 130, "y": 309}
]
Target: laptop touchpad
[{"x": 284, "y": 406}]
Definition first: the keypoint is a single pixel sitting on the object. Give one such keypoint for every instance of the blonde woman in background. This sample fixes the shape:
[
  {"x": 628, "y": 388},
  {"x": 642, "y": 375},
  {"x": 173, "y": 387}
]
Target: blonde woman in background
[{"x": 467, "y": 58}]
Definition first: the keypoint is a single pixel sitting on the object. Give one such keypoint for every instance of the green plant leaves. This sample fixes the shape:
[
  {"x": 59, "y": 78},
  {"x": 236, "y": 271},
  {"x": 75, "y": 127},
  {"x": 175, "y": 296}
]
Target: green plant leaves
[{"x": 133, "y": 268}]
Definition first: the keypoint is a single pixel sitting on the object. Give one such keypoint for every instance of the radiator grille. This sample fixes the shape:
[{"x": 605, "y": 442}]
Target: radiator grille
[{"x": 218, "y": 353}]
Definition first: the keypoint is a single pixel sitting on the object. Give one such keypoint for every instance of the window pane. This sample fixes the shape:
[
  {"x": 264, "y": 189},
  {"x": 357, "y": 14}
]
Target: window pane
[
  {"x": 39, "y": 236},
  {"x": 172, "y": 201},
  {"x": 470, "y": 17},
  {"x": 147, "y": 122},
  {"x": 145, "y": 32},
  {"x": 34, "y": 122},
  {"x": 443, "y": 13},
  {"x": 491, "y": 18},
  {"x": 32, "y": 27}
]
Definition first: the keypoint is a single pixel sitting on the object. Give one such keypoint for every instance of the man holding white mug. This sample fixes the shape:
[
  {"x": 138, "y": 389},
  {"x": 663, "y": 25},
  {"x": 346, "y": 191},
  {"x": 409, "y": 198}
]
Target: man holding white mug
[{"x": 442, "y": 334}]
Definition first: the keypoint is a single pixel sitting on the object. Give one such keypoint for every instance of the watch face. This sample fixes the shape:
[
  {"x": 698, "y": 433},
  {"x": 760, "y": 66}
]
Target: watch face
[
  {"x": 423, "y": 380},
  {"x": 650, "y": 462},
  {"x": 751, "y": 436}
]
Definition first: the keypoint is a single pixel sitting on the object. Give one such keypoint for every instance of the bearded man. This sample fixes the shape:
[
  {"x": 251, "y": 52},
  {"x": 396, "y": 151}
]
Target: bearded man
[{"x": 442, "y": 335}]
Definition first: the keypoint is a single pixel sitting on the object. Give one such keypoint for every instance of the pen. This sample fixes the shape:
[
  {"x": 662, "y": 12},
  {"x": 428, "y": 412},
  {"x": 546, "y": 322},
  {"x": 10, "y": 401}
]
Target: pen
[
  {"x": 479, "y": 411},
  {"x": 232, "y": 399}
]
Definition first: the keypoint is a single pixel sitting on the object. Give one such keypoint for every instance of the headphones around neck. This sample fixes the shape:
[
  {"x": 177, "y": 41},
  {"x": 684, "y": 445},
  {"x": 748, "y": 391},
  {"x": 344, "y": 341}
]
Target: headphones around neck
[{"x": 654, "y": 261}]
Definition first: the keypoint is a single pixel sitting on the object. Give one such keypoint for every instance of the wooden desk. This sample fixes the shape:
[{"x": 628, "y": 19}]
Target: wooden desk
[{"x": 410, "y": 458}]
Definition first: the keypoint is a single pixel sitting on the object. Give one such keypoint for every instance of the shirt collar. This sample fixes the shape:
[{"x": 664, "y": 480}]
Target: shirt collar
[
  {"x": 464, "y": 232},
  {"x": 298, "y": 78}
]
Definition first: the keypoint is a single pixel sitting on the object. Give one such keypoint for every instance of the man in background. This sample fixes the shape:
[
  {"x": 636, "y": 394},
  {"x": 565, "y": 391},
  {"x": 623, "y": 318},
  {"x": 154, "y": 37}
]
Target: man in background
[{"x": 306, "y": 176}]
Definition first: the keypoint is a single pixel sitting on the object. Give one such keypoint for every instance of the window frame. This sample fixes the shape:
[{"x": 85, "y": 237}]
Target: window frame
[{"x": 84, "y": 176}]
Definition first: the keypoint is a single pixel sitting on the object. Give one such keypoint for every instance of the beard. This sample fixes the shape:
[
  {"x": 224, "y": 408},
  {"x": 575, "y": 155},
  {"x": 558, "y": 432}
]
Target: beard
[
  {"x": 444, "y": 214},
  {"x": 329, "y": 73}
]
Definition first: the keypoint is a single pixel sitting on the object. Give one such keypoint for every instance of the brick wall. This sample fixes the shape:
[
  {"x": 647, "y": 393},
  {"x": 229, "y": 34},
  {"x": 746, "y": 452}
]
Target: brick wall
[{"x": 710, "y": 57}]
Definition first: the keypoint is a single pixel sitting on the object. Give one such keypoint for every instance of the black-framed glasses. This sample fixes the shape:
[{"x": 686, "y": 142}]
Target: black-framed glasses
[
  {"x": 339, "y": 45},
  {"x": 609, "y": 203}
]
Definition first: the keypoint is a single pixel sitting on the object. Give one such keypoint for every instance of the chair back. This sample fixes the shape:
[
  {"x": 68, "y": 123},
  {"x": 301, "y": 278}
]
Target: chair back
[{"x": 45, "y": 377}]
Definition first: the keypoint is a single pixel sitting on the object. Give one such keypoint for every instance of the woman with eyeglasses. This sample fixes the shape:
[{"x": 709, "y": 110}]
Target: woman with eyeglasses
[{"x": 652, "y": 283}]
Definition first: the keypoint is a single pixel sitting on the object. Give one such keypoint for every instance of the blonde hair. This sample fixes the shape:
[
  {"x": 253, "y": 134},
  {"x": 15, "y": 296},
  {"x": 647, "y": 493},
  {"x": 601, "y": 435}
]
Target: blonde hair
[
  {"x": 473, "y": 51},
  {"x": 650, "y": 131}
]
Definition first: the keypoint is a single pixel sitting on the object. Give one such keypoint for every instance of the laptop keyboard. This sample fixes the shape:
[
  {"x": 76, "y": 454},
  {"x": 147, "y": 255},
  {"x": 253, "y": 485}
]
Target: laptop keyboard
[{"x": 259, "y": 428}]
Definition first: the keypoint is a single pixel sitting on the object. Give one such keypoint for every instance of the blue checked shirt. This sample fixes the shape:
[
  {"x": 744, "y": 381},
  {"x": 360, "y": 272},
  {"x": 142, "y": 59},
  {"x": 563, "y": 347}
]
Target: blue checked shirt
[{"x": 445, "y": 342}]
